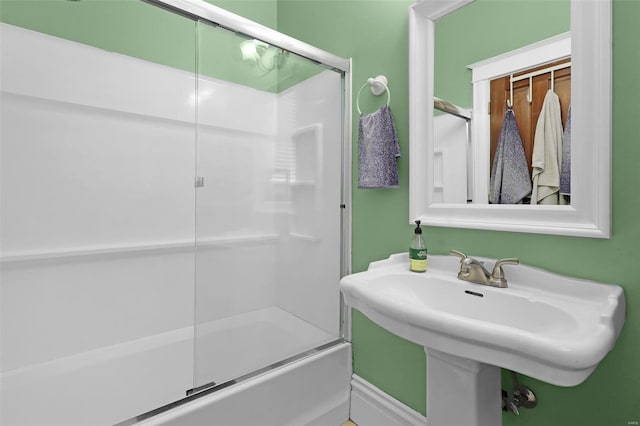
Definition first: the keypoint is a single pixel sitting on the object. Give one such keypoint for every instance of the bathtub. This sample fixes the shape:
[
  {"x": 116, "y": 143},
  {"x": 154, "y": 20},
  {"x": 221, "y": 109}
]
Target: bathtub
[
  {"x": 313, "y": 391},
  {"x": 118, "y": 383}
]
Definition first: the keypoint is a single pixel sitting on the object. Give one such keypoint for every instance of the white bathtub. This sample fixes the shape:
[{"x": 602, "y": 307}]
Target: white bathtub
[
  {"x": 112, "y": 384},
  {"x": 313, "y": 391}
]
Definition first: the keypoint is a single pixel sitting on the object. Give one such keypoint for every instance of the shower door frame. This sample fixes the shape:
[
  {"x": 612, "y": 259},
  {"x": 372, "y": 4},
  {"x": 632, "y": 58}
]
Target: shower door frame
[{"x": 200, "y": 10}]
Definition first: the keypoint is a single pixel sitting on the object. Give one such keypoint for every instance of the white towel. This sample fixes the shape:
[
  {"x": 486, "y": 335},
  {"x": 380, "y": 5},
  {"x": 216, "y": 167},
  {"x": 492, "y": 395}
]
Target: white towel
[
  {"x": 547, "y": 152},
  {"x": 378, "y": 149},
  {"x": 510, "y": 181}
]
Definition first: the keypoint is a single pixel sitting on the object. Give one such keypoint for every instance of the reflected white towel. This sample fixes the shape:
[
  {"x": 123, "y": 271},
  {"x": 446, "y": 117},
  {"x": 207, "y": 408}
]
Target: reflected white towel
[
  {"x": 378, "y": 149},
  {"x": 547, "y": 152}
]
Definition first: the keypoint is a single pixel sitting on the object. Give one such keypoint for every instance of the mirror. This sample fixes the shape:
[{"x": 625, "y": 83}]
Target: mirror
[
  {"x": 503, "y": 45},
  {"x": 589, "y": 211}
]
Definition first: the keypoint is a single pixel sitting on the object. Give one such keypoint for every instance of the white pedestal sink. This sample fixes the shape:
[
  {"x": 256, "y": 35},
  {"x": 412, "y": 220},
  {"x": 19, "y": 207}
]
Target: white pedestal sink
[{"x": 547, "y": 326}]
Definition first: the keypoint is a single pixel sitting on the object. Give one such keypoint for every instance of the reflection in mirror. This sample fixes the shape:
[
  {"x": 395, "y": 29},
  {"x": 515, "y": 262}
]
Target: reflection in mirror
[
  {"x": 456, "y": 47},
  {"x": 500, "y": 34}
]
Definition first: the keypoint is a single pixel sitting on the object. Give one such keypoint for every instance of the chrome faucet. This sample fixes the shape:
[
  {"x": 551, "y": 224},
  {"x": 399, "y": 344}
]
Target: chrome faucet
[{"x": 474, "y": 271}]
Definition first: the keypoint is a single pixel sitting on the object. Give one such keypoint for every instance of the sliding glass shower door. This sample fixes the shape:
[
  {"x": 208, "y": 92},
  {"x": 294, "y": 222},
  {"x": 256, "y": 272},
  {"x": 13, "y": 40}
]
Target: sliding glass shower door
[
  {"x": 268, "y": 230},
  {"x": 170, "y": 208}
]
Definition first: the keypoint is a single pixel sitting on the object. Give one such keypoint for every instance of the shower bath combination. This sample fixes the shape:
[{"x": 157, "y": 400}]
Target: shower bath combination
[{"x": 121, "y": 280}]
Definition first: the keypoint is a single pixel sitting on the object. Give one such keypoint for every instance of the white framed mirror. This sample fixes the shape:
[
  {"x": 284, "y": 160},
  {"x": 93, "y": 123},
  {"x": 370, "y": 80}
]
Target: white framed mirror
[{"x": 588, "y": 215}]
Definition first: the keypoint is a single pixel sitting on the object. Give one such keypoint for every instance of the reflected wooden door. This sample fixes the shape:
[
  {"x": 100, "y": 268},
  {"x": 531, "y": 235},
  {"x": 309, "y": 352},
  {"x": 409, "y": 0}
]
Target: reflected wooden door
[{"x": 526, "y": 112}]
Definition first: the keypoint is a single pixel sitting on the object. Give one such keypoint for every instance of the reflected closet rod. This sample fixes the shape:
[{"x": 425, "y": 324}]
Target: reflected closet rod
[{"x": 452, "y": 109}]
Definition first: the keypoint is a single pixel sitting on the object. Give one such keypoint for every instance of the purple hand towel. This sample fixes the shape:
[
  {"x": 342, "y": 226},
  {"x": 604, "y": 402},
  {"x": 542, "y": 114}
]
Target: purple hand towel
[{"x": 378, "y": 149}]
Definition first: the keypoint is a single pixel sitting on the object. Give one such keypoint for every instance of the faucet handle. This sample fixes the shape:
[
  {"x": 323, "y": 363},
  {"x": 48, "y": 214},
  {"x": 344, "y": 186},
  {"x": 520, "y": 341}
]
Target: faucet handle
[
  {"x": 497, "y": 268},
  {"x": 497, "y": 275},
  {"x": 460, "y": 254}
]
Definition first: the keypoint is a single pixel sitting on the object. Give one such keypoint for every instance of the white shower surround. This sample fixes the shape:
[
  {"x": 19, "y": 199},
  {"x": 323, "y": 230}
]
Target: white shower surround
[{"x": 62, "y": 283}]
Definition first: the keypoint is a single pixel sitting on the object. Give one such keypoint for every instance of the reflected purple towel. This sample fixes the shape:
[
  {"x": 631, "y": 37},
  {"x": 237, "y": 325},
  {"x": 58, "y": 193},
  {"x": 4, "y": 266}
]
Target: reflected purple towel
[
  {"x": 510, "y": 181},
  {"x": 565, "y": 170},
  {"x": 378, "y": 149}
]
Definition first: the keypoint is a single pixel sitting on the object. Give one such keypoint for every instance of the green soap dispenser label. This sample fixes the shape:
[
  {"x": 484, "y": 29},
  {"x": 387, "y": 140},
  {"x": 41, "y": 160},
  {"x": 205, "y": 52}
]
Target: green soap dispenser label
[{"x": 418, "y": 259}]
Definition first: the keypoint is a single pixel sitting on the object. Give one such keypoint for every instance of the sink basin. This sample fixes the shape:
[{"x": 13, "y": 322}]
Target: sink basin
[{"x": 547, "y": 326}]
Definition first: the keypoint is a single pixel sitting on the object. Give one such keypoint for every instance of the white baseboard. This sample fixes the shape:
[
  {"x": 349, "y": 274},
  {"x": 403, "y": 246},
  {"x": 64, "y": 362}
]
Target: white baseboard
[{"x": 372, "y": 407}]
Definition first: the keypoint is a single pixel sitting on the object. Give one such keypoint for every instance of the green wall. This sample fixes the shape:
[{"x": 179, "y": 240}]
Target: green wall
[
  {"x": 374, "y": 33},
  {"x": 113, "y": 25},
  {"x": 498, "y": 28},
  {"x": 119, "y": 25},
  {"x": 141, "y": 30}
]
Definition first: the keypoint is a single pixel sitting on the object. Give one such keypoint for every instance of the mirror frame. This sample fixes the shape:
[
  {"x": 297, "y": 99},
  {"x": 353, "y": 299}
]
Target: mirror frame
[{"x": 589, "y": 214}]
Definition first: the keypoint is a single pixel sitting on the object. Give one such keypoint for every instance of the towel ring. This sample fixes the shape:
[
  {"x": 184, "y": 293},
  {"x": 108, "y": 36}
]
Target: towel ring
[{"x": 378, "y": 87}]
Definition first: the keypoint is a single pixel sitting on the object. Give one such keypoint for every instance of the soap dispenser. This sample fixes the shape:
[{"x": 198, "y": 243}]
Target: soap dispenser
[{"x": 417, "y": 251}]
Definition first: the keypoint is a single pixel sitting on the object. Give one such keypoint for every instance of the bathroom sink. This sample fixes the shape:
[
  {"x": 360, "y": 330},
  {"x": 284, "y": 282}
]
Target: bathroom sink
[{"x": 550, "y": 327}]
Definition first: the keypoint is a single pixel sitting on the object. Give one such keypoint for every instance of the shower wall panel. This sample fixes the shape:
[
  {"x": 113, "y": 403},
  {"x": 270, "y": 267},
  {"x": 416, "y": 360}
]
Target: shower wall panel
[
  {"x": 95, "y": 172},
  {"x": 97, "y": 223},
  {"x": 96, "y": 145},
  {"x": 235, "y": 240},
  {"x": 450, "y": 153},
  {"x": 310, "y": 128}
]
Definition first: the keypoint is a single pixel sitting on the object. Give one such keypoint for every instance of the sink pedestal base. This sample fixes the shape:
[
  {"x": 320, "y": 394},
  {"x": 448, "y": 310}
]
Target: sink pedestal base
[{"x": 461, "y": 391}]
